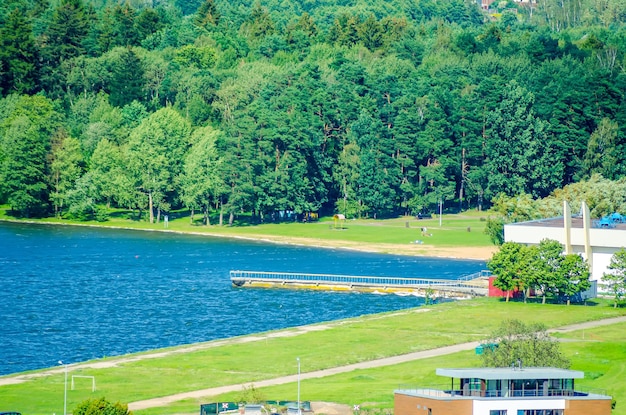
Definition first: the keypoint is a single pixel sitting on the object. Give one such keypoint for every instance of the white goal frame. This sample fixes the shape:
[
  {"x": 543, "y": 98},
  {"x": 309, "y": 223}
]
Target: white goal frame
[{"x": 93, "y": 381}]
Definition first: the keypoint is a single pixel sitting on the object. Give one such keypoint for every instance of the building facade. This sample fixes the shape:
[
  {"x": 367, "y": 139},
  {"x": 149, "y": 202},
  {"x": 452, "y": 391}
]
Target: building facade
[
  {"x": 503, "y": 391},
  {"x": 593, "y": 239}
]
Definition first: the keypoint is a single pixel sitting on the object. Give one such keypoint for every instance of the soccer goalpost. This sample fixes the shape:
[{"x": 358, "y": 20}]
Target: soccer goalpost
[{"x": 93, "y": 381}]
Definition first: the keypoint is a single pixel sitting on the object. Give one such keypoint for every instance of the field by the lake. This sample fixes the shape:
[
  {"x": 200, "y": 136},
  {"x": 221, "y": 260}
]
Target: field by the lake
[
  {"x": 599, "y": 352},
  {"x": 453, "y": 235}
]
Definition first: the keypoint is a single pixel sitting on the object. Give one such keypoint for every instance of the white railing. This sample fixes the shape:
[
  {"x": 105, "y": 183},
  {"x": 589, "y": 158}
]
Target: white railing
[{"x": 282, "y": 277}]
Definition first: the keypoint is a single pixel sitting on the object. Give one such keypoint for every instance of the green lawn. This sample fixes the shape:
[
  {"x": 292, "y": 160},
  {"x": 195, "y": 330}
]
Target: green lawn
[
  {"x": 348, "y": 341},
  {"x": 466, "y": 229}
]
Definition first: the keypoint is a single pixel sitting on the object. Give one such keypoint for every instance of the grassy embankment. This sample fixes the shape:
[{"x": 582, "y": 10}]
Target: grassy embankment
[
  {"x": 387, "y": 236},
  {"x": 600, "y": 353}
]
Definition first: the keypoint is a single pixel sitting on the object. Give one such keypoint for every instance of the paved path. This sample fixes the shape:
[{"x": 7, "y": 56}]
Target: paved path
[{"x": 388, "y": 361}]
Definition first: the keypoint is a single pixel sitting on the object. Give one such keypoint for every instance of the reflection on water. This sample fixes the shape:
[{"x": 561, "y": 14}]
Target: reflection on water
[{"x": 74, "y": 293}]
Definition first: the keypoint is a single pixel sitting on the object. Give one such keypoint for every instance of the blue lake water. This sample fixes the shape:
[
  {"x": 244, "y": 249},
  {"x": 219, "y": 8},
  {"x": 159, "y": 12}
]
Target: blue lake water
[{"x": 76, "y": 293}]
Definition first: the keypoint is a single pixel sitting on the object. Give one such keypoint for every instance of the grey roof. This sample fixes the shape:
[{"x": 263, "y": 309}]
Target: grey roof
[{"x": 502, "y": 373}]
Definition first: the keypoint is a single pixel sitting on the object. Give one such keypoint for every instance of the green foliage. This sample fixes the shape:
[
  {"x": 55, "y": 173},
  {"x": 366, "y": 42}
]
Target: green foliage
[
  {"x": 507, "y": 266},
  {"x": 19, "y": 55},
  {"x": 65, "y": 168},
  {"x": 495, "y": 230},
  {"x": 101, "y": 407},
  {"x": 387, "y": 107},
  {"x": 543, "y": 268},
  {"x": 524, "y": 344},
  {"x": 615, "y": 279},
  {"x": 251, "y": 395},
  {"x": 200, "y": 181},
  {"x": 155, "y": 151},
  {"x": 26, "y": 127}
]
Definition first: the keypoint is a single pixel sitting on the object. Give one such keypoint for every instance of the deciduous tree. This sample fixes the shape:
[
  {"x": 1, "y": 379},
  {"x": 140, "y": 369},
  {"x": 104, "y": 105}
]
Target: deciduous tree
[
  {"x": 615, "y": 278},
  {"x": 101, "y": 406},
  {"x": 156, "y": 151},
  {"x": 508, "y": 266},
  {"x": 574, "y": 276},
  {"x": 525, "y": 344}
]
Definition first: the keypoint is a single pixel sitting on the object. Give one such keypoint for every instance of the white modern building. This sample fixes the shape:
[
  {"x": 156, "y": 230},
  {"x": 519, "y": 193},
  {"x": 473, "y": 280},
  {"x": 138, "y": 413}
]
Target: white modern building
[
  {"x": 596, "y": 240},
  {"x": 503, "y": 391}
]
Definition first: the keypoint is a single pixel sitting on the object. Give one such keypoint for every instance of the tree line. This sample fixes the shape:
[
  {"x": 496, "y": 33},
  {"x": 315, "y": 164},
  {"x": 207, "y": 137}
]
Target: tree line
[
  {"x": 543, "y": 269},
  {"x": 546, "y": 271},
  {"x": 370, "y": 109}
]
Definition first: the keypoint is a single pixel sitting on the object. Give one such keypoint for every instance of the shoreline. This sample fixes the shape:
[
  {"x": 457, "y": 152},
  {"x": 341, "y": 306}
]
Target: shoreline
[{"x": 478, "y": 253}]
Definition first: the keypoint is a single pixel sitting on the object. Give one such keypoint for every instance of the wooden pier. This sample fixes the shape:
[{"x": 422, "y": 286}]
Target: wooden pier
[{"x": 466, "y": 286}]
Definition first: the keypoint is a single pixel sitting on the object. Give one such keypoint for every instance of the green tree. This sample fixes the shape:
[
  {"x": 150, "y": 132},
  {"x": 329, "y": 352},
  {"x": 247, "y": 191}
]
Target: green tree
[
  {"x": 200, "y": 182},
  {"x": 66, "y": 167},
  {"x": 26, "y": 127},
  {"x": 101, "y": 406},
  {"x": 378, "y": 177},
  {"x": 495, "y": 229},
  {"x": 127, "y": 81},
  {"x": 547, "y": 276},
  {"x": 124, "y": 27},
  {"x": 156, "y": 150},
  {"x": 370, "y": 33},
  {"x": 207, "y": 15},
  {"x": 64, "y": 40},
  {"x": 259, "y": 23},
  {"x": 347, "y": 175},
  {"x": 108, "y": 175},
  {"x": 574, "y": 276},
  {"x": 615, "y": 279},
  {"x": 524, "y": 344},
  {"x": 602, "y": 154},
  {"x": 24, "y": 168},
  {"x": 518, "y": 150},
  {"x": 509, "y": 267},
  {"x": 18, "y": 55},
  {"x": 148, "y": 22}
]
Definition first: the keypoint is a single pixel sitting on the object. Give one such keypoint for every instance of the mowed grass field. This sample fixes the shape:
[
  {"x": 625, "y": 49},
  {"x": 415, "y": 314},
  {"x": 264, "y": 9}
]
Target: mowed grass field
[
  {"x": 601, "y": 353},
  {"x": 465, "y": 229}
]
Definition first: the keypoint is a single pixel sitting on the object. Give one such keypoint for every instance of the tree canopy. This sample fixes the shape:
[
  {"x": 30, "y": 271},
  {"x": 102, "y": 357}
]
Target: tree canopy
[
  {"x": 544, "y": 269},
  {"x": 369, "y": 109},
  {"x": 517, "y": 343}
]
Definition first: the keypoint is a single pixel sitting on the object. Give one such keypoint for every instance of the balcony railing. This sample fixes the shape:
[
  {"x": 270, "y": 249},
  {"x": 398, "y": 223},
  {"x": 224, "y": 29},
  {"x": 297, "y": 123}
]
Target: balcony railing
[{"x": 442, "y": 392}]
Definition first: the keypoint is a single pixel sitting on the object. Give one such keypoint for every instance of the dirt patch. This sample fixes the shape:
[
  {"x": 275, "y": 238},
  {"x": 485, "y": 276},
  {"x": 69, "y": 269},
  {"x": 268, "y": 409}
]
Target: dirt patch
[{"x": 330, "y": 408}]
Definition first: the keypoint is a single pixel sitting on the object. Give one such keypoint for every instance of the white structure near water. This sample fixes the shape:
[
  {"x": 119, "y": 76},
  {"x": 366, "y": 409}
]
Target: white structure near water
[{"x": 594, "y": 240}]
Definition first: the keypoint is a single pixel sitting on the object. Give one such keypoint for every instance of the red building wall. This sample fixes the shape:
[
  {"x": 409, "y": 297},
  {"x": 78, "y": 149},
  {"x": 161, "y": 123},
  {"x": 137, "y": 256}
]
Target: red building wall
[{"x": 496, "y": 292}]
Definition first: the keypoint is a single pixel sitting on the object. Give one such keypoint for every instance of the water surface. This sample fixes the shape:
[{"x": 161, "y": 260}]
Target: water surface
[{"x": 76, "y": 293}]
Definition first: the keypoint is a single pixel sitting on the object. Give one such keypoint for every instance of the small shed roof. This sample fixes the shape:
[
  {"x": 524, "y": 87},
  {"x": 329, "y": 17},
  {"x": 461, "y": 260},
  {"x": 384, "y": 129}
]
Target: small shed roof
[{"x": 501, "y": 373}]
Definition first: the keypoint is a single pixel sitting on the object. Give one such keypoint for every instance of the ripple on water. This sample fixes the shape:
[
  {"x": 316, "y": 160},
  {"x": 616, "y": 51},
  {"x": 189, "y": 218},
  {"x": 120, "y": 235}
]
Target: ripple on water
[{"x": 73, "y": 293}]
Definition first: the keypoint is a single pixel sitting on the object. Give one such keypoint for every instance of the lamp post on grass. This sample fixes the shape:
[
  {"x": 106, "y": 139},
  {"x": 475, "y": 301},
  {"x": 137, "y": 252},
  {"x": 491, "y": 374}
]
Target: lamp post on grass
[
  {"x": 298, "y": 359},
  {"x": 64, "y": 389}
]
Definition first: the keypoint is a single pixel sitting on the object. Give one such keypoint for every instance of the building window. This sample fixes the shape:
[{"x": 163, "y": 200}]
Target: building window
[
  {"x": 497, "y": 412},
  {"x": 539, "y": 412}
]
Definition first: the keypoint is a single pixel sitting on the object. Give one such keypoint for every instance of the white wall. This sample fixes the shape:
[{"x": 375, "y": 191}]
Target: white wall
[
  {"x": 604, "y": 242},
  {"x": 482, "y": 407}
]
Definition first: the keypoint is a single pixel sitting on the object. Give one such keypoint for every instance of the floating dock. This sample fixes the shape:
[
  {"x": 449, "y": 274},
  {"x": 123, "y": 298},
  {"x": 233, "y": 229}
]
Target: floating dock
[{"x": 463, "y": 287}]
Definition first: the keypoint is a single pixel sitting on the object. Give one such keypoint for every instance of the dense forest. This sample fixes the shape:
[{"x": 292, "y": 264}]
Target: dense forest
[{"x": 368, "y": 108}]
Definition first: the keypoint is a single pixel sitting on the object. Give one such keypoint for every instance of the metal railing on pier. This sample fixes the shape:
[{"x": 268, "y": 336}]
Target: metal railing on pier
[{"x": 467, "y": 282}]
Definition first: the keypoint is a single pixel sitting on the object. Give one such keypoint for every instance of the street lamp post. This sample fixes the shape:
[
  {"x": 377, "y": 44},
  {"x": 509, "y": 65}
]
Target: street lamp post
[
  {"x": 64, "y": 389},
  {"x": 299, "y": 411}
]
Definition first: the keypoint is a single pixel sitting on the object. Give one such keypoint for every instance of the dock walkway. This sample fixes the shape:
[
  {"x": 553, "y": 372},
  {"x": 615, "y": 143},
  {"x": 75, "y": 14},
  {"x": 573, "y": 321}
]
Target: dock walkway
[{"x": 469, "y": 285}]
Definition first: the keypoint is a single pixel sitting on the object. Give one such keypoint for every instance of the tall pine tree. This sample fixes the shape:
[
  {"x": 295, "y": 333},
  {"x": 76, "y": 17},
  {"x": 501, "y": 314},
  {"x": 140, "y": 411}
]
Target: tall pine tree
[{"x": 18, "y": 55}]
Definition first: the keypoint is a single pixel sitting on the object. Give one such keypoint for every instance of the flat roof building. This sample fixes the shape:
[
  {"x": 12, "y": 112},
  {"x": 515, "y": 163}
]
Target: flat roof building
[
  {"x": 503, "y": 391},
  {"x": 595, "y": 240}
]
